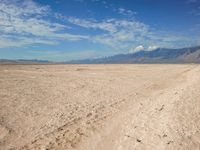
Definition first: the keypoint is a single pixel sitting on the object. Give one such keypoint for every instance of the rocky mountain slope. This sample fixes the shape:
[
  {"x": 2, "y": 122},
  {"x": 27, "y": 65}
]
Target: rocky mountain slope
[{"x": 160, "y": 55}]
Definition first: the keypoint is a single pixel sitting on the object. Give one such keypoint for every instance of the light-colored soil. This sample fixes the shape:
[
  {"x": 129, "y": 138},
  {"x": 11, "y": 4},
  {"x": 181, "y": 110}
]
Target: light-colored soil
[{"x": 100, "y": 107}]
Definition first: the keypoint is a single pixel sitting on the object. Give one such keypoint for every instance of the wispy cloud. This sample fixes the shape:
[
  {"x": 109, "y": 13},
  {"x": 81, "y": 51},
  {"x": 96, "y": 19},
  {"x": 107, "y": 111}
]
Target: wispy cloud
[
  {"x": 128, "y": 33},
  {"x": 106, "y": 25},
  {"x": 115, "y": 33},
  {"x": 25, "y": 21},
  {"x": 126, "y": 12},
  {"x": 16, "y": 41}
]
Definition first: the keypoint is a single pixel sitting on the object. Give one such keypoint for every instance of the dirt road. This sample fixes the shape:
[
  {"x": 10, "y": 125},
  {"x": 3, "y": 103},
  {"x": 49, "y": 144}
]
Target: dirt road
[{"x": 100, "y": 107}]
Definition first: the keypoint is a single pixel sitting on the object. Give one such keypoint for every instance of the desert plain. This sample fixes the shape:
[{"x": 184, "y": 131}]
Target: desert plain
[{"x": 100, "y": 107}]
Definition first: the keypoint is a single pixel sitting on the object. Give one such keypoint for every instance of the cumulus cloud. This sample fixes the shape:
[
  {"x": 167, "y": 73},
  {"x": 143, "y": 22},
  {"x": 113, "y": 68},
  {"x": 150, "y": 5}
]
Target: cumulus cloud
[
  {"x": 139, "y": 48},
  {"x": 136, "y": 49}
]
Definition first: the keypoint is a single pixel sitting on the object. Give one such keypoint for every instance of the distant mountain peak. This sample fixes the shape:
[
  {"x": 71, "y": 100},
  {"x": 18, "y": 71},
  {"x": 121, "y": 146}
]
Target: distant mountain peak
[{"x": 159, "y": 55}]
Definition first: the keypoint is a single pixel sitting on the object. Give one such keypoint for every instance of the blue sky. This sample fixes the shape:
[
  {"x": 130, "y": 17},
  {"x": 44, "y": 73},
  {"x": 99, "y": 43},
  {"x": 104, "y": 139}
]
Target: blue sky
[{"x": 62, "y": 30}]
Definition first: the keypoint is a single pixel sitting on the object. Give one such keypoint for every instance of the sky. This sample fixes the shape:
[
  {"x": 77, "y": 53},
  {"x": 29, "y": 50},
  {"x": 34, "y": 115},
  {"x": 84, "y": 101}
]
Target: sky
[{"x": 63, "y": 30}]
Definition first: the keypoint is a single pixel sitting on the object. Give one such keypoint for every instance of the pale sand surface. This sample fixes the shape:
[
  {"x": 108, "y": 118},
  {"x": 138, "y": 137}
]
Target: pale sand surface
[{"x": 100, "y": 107}]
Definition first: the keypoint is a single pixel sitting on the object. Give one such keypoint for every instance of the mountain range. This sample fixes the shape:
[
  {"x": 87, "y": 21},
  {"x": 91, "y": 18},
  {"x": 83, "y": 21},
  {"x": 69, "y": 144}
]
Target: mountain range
[
  {"x": 24, "y": 61},
  {"x": 160, "y": 55}
]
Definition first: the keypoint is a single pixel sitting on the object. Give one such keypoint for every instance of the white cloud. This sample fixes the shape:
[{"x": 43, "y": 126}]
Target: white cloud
[
  {"x": 126, "y": 12},
  {"x": 105, "y": 25},
  {"x": 123, "y": 34},
  {"x": 139, "y": 48},
  {"x": 111, "y": 25},
  {"x": 6, "y": 41},
  {"x": 24, "y": 20},
  {"x": 152, "y": 47},
  {"x": 136, "y": 49},
  {"x": 23, "y": 8},
  {"x": 114, "y": 33}
]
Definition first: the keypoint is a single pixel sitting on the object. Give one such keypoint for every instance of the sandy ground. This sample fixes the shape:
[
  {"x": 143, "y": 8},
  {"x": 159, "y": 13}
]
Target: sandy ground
[{"x": 100, "y": 107}]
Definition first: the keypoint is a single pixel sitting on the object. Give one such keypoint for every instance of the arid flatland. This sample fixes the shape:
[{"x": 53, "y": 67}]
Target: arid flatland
[{"x": 100, "y": 107}]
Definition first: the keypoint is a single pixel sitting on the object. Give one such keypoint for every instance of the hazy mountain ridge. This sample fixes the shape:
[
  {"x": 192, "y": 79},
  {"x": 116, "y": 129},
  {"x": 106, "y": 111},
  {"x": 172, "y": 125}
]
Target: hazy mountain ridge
[
  {"x": 160, "y": 55},
  {"x": 24, "y": 61}
]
